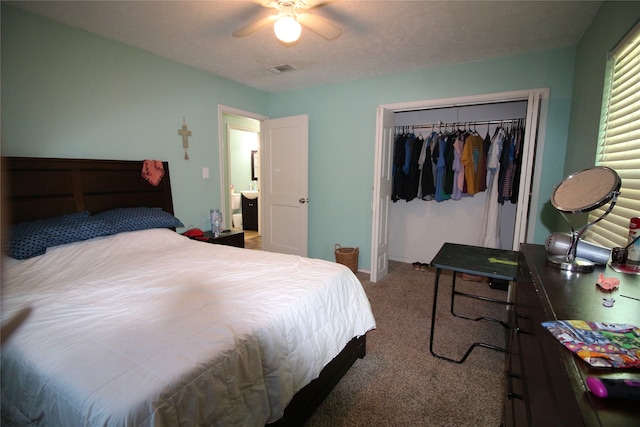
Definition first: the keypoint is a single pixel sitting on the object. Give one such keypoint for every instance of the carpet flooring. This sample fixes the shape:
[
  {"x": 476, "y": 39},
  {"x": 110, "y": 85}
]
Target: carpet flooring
[{"x": 399, "y": 382}]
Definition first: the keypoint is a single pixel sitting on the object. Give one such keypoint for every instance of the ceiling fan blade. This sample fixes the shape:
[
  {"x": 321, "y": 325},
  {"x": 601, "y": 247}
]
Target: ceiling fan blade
[
  {"x": 255, "y": 26},
  {"x": 320, "y": 26},
  {"x": 321, "y": 4}
]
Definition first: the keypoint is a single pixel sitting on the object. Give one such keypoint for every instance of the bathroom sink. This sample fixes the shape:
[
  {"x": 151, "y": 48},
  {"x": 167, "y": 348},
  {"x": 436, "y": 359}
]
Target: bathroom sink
[{"x": 250, "y": 194}]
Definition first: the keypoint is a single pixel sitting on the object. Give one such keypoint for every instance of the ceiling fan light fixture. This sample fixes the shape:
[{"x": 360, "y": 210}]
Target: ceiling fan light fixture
[{"x": 287, "y": 29}]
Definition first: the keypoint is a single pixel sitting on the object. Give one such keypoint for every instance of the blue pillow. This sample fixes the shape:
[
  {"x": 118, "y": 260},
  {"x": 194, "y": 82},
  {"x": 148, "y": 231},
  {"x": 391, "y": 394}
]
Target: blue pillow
[
  {"x": 85, "y": 229},
  {"x": 133, "y": 219},
  {"x": 32, "y": 238}
]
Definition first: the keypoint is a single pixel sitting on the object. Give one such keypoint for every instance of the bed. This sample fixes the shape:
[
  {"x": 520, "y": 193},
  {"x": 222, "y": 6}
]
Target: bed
[{"x": 145, "y": 327}]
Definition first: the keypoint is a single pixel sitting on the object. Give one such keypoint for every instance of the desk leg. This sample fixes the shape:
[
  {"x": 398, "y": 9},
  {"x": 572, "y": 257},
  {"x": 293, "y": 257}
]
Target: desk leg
[
  {"x": 433, "y": 324},
  {"x": 493, "y": 300},
  {"x": 433, "y": 320},
  {"x": 433, "y": 314}
]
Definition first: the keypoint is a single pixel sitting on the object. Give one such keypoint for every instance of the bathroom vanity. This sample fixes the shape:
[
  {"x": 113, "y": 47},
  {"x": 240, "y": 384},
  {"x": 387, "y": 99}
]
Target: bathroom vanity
[{"x": 250, "y": 210}]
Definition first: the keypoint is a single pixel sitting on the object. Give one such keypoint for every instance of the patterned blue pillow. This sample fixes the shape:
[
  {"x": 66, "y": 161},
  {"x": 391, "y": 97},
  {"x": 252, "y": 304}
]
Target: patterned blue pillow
[
  {"x": 133, "y": 219},
  {"x": 87, "y": 228},
  {"x": 32, "y": 238}
]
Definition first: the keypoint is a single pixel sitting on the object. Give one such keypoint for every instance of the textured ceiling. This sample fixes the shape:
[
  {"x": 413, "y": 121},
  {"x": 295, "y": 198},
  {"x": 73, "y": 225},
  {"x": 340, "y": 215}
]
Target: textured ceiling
[{"x": 379, "y": 37}]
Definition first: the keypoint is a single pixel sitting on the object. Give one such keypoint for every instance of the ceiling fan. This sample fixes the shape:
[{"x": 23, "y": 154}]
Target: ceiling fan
[{"x": 289, "y": 19}]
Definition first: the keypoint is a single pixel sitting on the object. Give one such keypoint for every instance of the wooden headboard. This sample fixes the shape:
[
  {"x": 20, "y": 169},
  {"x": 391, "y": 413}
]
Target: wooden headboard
[{"x": 39, "y": 188}]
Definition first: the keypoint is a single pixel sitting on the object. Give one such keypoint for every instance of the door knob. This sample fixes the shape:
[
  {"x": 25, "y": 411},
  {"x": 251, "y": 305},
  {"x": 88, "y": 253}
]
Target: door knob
[{"x": 303, "y": 200}]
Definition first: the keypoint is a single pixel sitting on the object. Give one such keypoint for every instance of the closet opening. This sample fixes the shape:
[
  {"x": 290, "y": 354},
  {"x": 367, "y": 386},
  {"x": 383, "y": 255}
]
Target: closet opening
[{"x": 410, "y": 223}]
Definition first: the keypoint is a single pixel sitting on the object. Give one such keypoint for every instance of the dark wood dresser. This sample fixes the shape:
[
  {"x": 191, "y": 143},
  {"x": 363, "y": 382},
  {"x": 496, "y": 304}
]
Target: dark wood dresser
[{"x": 545, "y": 381}]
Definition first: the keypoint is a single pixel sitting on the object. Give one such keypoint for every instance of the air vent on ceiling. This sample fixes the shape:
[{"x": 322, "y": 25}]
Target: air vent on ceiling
[{"x": 284, "y": 68}]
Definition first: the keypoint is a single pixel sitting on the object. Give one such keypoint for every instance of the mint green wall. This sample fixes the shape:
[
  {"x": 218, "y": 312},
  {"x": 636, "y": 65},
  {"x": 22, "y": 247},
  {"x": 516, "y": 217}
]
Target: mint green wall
[
  {"x": 68, "y": 93},
  {"x": 611, "y": 24},
  {"x": 342, "y": 120}
]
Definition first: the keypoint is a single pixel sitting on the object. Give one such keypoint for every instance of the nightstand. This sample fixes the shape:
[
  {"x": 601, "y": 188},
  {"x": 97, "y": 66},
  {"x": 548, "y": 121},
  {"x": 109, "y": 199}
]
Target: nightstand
[{"x": 229, "y": 238}]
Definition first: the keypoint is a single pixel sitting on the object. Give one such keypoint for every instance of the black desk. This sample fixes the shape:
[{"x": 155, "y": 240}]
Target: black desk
[{"x": 477, "y": 261}]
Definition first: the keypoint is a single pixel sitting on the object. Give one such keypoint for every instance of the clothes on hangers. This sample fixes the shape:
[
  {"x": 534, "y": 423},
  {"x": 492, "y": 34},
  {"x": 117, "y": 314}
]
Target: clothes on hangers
[
  {"x": 490, "y": 231},
  {"x": 398, "y": 190},
  {"x": 486, "y": 144},
  {"x": 473, "y": 158},
  {"x": 405, "y": 168},
  {"x": 456, "y": 163},
  {"x": 440, "y": 158},
  {"x": 413, "y": 183},
  {"x": 458, "y": 169},
  {"x": 510, "y": 163},
  {"x": 427, "y": 188}
]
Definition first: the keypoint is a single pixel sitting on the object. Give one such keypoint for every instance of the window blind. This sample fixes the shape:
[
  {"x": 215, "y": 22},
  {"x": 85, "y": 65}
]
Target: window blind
[{"x": 619, "y": 141}]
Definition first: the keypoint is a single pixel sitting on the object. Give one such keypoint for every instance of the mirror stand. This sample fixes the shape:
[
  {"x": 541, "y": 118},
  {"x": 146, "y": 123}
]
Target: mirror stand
[
  {"x": 583, "y": 192},
  {"x": 570, "y": 261}
]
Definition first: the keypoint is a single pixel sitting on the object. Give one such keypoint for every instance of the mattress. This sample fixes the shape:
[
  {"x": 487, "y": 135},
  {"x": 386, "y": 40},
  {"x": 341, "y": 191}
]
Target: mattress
[{"x": 149, "y": 328}]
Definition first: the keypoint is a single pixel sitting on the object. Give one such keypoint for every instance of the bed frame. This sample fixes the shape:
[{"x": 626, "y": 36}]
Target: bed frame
[
  {"x": 38, "y": 188},
  {"x": 43, "y": 188}
]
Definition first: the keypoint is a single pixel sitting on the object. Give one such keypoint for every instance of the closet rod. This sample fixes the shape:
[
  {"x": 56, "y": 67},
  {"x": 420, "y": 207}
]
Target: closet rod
[{"x": 470, "y": 123}]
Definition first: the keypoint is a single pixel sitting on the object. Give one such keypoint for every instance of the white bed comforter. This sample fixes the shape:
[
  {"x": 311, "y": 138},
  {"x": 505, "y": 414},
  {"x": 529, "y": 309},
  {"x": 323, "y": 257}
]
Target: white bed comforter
[{"x": 149, "y": 328}]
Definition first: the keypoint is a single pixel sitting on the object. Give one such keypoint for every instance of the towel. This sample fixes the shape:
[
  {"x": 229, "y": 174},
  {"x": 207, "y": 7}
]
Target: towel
[
  {"x": 600, "y": 344},
  {"x": 153, "y": 171}
]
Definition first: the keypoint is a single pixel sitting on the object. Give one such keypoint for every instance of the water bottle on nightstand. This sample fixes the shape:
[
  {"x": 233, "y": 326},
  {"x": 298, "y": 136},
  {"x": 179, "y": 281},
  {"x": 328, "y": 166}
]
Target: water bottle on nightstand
[{"x": 216, "y": 222}]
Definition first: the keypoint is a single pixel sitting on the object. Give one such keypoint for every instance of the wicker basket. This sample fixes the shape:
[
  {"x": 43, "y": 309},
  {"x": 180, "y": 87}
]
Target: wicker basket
[{"x": 348, "y": 257}]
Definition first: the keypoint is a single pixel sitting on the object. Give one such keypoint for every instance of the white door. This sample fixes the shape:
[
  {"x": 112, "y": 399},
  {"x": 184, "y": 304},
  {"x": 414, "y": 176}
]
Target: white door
[
  {"x": 284, "y": 156},
  {"x": 523, "y": 226},
  {"x": 382, "y": 186}
]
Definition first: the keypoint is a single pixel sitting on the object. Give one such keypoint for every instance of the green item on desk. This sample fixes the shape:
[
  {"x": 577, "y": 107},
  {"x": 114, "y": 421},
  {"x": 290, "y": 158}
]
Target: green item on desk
[{"x": 502, "y": 261}]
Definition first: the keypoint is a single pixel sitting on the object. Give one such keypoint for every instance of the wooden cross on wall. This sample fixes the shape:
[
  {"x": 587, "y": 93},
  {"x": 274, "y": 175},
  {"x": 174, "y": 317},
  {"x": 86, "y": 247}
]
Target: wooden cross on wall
[{"x": 185, "y": 134}]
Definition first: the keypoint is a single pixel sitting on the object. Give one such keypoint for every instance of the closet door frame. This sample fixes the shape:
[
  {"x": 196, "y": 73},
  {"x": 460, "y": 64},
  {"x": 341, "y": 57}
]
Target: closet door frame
[{"x": 537, "y": 106}]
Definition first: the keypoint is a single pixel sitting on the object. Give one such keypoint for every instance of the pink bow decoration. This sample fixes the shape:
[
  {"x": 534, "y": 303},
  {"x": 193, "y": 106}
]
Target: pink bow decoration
[
  {"x": 608, "y": 283},
  {"x": 152, "y": 171}
]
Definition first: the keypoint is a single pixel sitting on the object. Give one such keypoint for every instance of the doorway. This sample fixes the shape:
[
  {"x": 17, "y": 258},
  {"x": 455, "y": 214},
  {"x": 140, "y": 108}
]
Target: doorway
[
  {"x": 283, "y": 192},
  {"x": 240, "y": 171}
]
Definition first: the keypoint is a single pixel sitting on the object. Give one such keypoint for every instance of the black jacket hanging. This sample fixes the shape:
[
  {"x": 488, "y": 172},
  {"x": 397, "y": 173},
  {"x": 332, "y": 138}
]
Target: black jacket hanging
[
  {"x": 427, "y": 179},
  {"x": 413, "y": 181},
  {"x": 399, "y": 178}
]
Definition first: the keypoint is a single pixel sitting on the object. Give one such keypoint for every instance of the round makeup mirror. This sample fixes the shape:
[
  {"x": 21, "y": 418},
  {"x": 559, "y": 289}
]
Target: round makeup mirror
[{"x": 583, "y": 192}]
